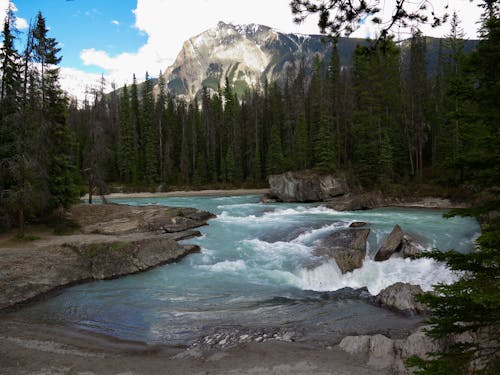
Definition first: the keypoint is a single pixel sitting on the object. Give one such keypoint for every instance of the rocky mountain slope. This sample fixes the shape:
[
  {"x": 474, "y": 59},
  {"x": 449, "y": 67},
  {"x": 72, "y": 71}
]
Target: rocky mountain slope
[{"x": 248, "y": 55}]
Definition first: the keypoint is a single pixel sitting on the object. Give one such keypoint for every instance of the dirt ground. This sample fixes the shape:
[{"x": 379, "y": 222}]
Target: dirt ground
[{"x": 30, "y": 349}]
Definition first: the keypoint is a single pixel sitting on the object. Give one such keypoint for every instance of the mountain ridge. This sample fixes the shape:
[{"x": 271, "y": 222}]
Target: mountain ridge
[{"x": 249, "y": 55}]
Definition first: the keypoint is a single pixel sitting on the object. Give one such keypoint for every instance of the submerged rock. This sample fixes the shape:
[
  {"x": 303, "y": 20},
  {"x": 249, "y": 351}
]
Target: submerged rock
[
  {"x": 306, "y": 186},
  {"x": 346, "y": 246},
  {"x": 391, "y": 244},
  {"x": 358, "y": 224},
  {"x": 402, "y": 297}
]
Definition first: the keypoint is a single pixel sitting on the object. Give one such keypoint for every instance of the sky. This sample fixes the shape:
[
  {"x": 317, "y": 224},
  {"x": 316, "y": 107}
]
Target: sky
[{"x": 117, "y": 38}]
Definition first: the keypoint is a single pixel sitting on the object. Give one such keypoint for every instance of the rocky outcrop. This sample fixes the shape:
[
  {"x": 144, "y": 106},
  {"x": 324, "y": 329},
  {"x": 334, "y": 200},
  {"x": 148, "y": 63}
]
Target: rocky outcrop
[
  {"x": 115, "y": 219},
  {"x": 398, "y": 241},
  {"x": 391, "y": 244},
  {"x": 114, "y": 240},
  {"x": 355, "y": 201},
  {"x": 346, "y": 246},
  {"x": 381, "y": 352},
  {"x": 306, "y": 187},
  {"x": 402, "y": 297}
]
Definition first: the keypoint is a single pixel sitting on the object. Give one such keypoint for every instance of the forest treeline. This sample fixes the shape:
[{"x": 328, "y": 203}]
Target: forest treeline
[{"x": 383, "y": 119}]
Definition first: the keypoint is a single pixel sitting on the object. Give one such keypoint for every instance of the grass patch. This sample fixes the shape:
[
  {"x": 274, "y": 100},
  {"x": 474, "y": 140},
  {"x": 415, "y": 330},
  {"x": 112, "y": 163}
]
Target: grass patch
[
  {"x": 26, "y": 238},
  {"x": 119, "y": 246},
  {"x": 61, "y": 225},
  {"x": 97, "y": 248}
]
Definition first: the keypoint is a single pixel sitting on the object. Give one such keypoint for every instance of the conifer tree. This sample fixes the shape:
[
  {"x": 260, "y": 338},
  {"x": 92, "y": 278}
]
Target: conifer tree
[
  {"x": 275, "y": 159},
  {"x": 10, "y": 105},
  {"x": 128, "y": 151},
  {"x": 149, "y": 135},
  {"x": 137, "y": 127},
  {"x": 416, "y": 101},
  {"x": 300, "y": 144},
  {"x": 61, "y": 174}
]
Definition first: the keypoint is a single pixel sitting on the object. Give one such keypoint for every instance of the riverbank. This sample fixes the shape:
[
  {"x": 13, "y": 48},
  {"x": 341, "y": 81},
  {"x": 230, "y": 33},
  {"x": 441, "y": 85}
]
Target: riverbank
[
  {"x": 29, "y": 349},
  {"x": 112, "y": 240},
  {"x": 183, "y": 193}
]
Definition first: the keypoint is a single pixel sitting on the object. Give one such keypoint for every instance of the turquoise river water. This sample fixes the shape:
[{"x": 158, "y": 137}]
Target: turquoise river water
[{"x": 255, "y": 273}]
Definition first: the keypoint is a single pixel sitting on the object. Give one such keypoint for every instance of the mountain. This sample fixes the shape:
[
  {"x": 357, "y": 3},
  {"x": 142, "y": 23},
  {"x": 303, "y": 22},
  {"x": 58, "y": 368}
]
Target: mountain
[{"x": 248, "y": 55}]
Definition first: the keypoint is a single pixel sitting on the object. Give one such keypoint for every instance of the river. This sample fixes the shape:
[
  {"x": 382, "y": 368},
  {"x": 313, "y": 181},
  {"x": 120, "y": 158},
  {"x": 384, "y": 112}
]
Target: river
[{"x": 256, "y": 278}]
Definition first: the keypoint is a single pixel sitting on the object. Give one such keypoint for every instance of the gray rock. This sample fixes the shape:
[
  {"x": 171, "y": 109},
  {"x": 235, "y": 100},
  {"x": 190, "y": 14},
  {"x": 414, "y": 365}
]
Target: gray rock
[
  {"x": 411, "y": 246},
  {"x": 378, "y": 349},
  {"x": 346, "y": 246},
  {"x": 401, "y": 297},
  {"x": 355, "y": 344},
  {"x": 419, "y": 344},
  {"x": 357, "y": 224},
  {"x": 357, "y": 201},
  {"x": 306, "y": 187},
  {"x": 392, "y": 243},
  {"x": 381, "y": 352}
]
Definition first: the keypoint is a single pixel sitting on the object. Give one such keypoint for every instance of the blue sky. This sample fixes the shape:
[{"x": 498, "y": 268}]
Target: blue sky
[
  {"x": 118, "y": 38},
  {"x": 84, "y": 24}
]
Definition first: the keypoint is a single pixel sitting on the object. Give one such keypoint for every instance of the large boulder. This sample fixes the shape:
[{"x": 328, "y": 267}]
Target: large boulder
[
  {"x": 402, "y": 297},
  {"x": 346, "y": 246},
  {"x": 306, "y": 186},
  {"x": 385, "y": 354},
  {"x": 409, "y": 246},
  {"x": 357, "y": 201},
  {"x": 391, "y": 244},
  {"x": 378, "y": 349}
]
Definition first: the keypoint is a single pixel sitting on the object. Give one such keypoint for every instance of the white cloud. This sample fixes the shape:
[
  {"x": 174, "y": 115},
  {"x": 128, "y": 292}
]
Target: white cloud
[
  {"x": 167, "y": 24},
  {"x": 115, "y": 22},
  {"x": 21, "y": 23}
]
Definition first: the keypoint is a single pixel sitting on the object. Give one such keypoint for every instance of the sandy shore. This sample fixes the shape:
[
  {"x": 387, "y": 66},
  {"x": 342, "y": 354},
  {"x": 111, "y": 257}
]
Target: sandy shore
[{"x": 190, "y": 193}]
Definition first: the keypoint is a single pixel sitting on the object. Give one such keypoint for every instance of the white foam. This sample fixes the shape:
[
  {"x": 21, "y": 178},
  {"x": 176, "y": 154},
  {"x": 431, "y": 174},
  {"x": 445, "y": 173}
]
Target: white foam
[
  {"x": 311, "y": 235},
  {"x": 279, "y": 215},
  {"x": 376, "y": 275},
  {"x": 225, "y": 266},
  {"x": 277, "y": 249}
]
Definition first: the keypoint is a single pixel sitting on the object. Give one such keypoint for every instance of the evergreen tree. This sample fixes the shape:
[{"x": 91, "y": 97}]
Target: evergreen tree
[
  {"x": 300, "y": 145},
  {"x": 275, "y": 159},
  {"x": 472, "y": 304},
  {"x": 10, "y": 105},
  {"x": 61, "y": 174},
  {"x": 416, "y": 126},
  {"x": 137, "y": 128},
  {"x": 160, "y": 118},
  {"x": 149, "y": 135},
  {"x": 375, "y": 118},
  {"x": 128, "y": 151}
]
